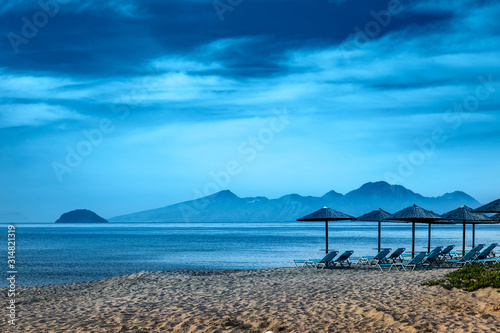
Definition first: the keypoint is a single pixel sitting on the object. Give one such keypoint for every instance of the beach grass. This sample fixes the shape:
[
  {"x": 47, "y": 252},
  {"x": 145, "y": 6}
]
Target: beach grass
[{"x": 472, "y": 277}]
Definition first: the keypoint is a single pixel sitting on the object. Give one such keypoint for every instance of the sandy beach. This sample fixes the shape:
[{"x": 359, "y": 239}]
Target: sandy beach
[{"x": 278, "y": 300}]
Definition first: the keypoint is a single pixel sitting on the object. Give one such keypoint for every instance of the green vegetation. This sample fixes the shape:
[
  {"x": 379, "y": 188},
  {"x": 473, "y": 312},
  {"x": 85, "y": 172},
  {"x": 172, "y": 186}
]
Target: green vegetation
[{"x": 472, "y": 277}]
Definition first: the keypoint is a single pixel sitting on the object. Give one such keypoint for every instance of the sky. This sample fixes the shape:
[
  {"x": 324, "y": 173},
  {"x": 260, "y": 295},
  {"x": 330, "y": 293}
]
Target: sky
[{"x": 125, "y": 105}]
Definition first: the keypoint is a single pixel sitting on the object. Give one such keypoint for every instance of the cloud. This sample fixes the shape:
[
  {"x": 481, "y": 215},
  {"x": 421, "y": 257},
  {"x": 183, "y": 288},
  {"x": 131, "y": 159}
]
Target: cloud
[
  {"x": 428, "y": 65},
  {"x": 420, "y": 68},
  {"x": 34, "y": 85},
  {"x": 449, "y": 6},
  {"x": 184, "y": 65},
  {"x": 15, "y": 115}
]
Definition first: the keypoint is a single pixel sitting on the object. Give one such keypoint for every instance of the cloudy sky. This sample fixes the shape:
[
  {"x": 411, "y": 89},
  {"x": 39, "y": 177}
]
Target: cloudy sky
[{"x": 125, "y": 105}]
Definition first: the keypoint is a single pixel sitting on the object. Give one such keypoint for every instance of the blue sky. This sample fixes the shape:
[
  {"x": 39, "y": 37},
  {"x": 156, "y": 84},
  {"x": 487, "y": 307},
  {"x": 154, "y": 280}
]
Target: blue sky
[{"x": 120, "y": 106}]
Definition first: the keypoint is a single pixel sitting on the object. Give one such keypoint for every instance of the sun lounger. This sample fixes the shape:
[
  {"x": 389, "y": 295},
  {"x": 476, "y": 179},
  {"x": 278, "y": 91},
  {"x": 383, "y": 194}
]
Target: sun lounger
[
  {"x": 317, "y": 262},
  {"x": 305, "y": 262},
  {"x": 446, "y": 253},
  {"x": 491, "y": 248},
  {"x": 487, "y": 251},
  {"x": 397, "y": 255},
  {"x": 477, "y": 248},
  {"x": 300, "y": 262},
  {"x": 343, "y": 259},
  {"x": 382, "y": 255},
  {"x": 494, "y": 257},
  {"x": 432, "y": 257},
  {"x": 325, "y": 262},
  {"x": 460, "y": 254},
  {"x": 495, "y": 253},
  {"x": 462, "y": 261},
  {"x": 413, "y": 264},
  {"x": 485, "y": 254},
  {"x": 489, "y": 260}
]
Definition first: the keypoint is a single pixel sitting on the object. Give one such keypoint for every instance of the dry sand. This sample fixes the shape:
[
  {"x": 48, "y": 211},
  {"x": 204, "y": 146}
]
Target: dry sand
[{"x": 278, "y": 300}]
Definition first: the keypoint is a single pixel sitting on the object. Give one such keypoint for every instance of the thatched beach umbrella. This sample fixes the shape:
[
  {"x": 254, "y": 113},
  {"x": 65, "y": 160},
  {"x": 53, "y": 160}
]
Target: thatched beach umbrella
[
  {"x": 492, "y": 207},
  {"x": 375, "y": 216},
  {"x": 326, "y": 214},
  {"x": 416, "y": 214},
  {"x": 466, "y": 215}
]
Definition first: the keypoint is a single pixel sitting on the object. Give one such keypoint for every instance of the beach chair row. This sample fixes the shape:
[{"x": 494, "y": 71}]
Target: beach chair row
[
  {"x": 330, "y": 260},
  {"x": 436, "y": 258}
]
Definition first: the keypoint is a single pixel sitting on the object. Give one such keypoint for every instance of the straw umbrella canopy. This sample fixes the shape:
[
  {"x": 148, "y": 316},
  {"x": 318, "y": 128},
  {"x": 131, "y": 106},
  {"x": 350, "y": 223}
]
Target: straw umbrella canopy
[
  {"x": 416, "y": 214},
  {"x": 492, "y": 207},
  {"x": 466, "y": 215},
  {"x": 326, "y": 214},
  {"x": 376, "y": 216}
]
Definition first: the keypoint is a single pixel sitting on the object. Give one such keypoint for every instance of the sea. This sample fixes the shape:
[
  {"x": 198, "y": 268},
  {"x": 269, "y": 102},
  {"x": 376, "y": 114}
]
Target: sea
[{"x": 50, "y": 253}]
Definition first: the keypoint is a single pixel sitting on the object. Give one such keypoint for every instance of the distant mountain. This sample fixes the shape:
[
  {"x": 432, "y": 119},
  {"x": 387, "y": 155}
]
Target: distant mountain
[
  {"x": 81, "y": 216},
  {"x": 225, "y": 206}
]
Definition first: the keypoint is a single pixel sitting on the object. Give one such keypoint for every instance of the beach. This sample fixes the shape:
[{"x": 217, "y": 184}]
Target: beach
[{"x": 359, "y": 299}]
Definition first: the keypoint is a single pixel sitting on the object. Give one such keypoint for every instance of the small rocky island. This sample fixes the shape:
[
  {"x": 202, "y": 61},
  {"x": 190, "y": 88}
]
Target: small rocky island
[{"x": 81, "y": 216}]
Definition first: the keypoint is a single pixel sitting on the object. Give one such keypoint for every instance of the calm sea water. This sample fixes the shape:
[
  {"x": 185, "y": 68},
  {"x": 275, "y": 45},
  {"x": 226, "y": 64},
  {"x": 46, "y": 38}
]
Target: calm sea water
[{"x": 61, "y": 253}]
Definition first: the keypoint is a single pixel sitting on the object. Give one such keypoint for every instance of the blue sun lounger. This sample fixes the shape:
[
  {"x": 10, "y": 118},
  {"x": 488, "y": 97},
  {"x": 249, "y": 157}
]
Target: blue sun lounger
[
  {"x": 484, "y": 256},
  {"x": 459, "y": 254},
  {"x": 343, "y": 259},
  {"x": 432, "y": 257},
  {"x": 317, "y": 262},
  {"x": 464, "y": 260},
  {"x": 488, "y": 260},
  {"x": 397, "y": 255},
  {"x": 446, "y": 252},
  {"x": 325, "y": 262},
  {"x": 375, "y": 260},
  {"x": 489, "y": 249},
  {"x": 414, "y": 263}
]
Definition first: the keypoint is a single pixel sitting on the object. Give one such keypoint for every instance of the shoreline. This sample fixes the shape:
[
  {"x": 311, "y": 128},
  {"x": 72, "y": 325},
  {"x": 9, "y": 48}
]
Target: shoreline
[{"x": 287, "y": 299}]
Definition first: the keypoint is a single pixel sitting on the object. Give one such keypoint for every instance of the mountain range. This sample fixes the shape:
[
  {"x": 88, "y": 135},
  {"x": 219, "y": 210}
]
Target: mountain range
[{"x": 225, "y": 206}]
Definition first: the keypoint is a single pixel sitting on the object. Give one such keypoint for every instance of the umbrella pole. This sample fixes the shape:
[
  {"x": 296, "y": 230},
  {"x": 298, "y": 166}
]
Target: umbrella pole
[
  {"x": 473, "y": 235},
  {"x": 326, "y": 232},
  {"x": 429, "y": 240},
  {"x": 379, "y": 227},
  {"x": 412, "y": 240},
  {"x": 463, "y": 240}
]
